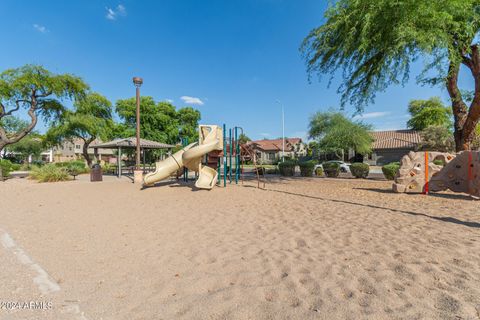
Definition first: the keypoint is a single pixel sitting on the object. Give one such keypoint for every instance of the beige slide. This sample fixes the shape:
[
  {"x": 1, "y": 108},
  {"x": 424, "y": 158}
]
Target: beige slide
[
  {"x": 211, "y": 138},
  {"x": 165, "y": 168}
]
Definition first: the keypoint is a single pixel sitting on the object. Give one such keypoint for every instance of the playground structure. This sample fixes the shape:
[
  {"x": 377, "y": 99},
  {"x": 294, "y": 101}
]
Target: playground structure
[
  {"x": 213, "y": 152},
  {"x": 422, "y": 172}
]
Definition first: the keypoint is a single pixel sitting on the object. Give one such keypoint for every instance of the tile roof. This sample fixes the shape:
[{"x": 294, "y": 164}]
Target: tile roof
[
  {"x": 132, "y": 143},
  {"x": 276, "y": 144},
  {"x": 396, "y": 139}
]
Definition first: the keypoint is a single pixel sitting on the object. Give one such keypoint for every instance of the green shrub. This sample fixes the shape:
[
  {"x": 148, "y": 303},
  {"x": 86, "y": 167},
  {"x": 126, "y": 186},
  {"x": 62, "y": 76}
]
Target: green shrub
[
  {"x": 439, "y": 162},
  {"x": 306, "y": 168},
  {"x": 331, "y": 169},
  {"x": 390, "y": 170},
  {"x": 271, "y": 170},
  {"x": 16, "y": 166},
  {"x": 359, "y": 170},
  {"x": 74, "y": 166},
  {"x": 6, "y": 167},
  {"x": 319, "y": 171},
  {"x": 108, "y": 167},
  {"x": 25, "y": 167},
  {"x": 38, "y": 162},
  {"x": 49, "y": 173},
  {"x": 287, "y": 168}
]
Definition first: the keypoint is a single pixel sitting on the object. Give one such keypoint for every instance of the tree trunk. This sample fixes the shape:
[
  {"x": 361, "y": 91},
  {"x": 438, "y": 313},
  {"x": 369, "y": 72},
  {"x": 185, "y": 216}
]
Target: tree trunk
[
  {"x": 86, "y": 156},
  {"x": 2, "y": 145},
  {"x": 4, "y": 140},
  {"x": 466, "y": 119},
  {"x": 86, "y": 144},
  {"x": 459, "y": 107}
]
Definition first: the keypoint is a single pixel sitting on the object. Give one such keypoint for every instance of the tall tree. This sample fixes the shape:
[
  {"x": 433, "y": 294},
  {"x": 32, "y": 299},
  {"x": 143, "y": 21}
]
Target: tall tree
[
  {"x": 243, "y": 138},
  {"x": 188, "y": 119},
  {"x": 30, "y": 145},
  {"x": 431, "y": 112},
  {"x": 159, "y": 121},
  {"x": 334, "y": 132},
  {"x": 37, "y": 91},
  {"x": 374, "y": 43},
  {"x": 90, "y": 119}
]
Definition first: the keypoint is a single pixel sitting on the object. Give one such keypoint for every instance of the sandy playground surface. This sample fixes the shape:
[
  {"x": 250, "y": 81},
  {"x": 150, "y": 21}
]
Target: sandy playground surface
[{"x": 304, "y": 249}]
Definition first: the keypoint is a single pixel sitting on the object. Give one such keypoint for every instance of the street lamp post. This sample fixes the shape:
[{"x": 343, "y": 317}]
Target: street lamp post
[
  {"x": 137, "y": 81},
  {"x": 283, "y": 131}
]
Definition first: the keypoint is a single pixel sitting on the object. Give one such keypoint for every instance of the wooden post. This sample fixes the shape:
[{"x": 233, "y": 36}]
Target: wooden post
[
  {"x": 426, "y": 174},
  {"x": 470, "y": 172},
  {"x": 119, "y": 162}
]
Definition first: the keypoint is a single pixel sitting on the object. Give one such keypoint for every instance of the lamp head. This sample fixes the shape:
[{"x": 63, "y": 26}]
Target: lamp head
[{"x": 137, "y": 81}]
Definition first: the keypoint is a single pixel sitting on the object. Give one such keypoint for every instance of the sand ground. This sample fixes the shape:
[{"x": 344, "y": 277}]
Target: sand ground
[{"x": 303, "y": 249}]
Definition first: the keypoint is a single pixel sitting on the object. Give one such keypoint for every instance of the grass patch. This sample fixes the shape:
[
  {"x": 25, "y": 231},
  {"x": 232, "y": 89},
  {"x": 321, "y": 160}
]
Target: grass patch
[{"x": 50, "y": 173}]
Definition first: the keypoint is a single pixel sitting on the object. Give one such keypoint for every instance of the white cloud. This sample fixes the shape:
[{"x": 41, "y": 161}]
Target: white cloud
[
  {"x": 118, "y": 11},
  {"x": 121, "y": 10},
  {"x": 169, "y": 100},
  {"x": 371, "y": 115},
  {"x": 40, "y": 28},
  {"x": 192, "y": 100}
]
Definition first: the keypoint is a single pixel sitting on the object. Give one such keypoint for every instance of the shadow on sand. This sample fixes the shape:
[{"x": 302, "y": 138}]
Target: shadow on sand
[
  {"x": 455, "y": 196},
  {"x": 412, "y": 213}
]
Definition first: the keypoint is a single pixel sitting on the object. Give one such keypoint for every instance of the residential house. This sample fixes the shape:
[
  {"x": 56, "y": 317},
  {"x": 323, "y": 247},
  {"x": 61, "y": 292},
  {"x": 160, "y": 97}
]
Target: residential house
[
  {"x": 270, "y": 151},
  {"x": 391, "y": 146},
  {"x": 73, "y": 150}
]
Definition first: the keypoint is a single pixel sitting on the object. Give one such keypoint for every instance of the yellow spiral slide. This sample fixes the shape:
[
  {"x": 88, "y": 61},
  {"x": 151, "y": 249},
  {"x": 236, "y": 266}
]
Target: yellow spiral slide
[{"x": 211, "y": 139}]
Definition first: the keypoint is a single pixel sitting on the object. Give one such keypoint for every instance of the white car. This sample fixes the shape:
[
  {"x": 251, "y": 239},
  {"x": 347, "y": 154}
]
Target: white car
[{"x": 343, "y": 166}]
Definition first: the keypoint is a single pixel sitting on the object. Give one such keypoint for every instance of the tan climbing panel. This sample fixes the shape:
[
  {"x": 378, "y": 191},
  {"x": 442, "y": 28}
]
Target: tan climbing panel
[{"x": 459, "y": 173}]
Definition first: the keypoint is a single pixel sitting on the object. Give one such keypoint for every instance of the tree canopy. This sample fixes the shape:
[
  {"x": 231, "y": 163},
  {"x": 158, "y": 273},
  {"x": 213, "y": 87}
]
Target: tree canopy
[
  {"x": 90, "y": 119},
  {"x": 431, "y": 112},
  {"x": 437, "y": 138},
  {"x": 243, "y": 138},
  {"x": 158, "y": 121},
  {"x": 335, "y": 132},
  {"x": 12, "y": 125},
  {"x": 30, "y": 145},
  {"x": 39, "y": 92},
  {"x": 374, "y": 43}
]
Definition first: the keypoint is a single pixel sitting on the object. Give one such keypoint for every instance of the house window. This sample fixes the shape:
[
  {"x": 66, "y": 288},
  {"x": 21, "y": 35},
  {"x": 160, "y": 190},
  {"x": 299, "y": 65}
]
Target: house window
[
  {"x": 70, "y": 148},
  {"x": 271, "y": 156},
  {"x": 77, "y": 146}
]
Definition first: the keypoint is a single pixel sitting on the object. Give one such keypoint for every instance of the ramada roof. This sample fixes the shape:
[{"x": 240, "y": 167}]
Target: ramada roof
[
  {"x": 132, "y": 143},
  {"x": 276, "y": 144},
  {"x": 396, "y": 139}
]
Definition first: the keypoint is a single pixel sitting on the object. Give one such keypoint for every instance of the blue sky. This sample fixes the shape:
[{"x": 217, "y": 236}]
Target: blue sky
[{"x": 232, "y": 58}]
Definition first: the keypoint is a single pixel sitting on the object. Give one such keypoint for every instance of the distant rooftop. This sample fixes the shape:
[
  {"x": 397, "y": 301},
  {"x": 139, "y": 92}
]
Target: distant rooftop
[
  {"x": 396, "y": 139},
  {"x": 275, "y": 144}
]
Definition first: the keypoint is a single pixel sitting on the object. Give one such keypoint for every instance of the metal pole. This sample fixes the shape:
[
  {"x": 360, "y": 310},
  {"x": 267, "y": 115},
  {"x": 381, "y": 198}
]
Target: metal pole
[
  {"x": 224, "y": 156},
  {"x": 185, "y": 170},
  {"x": 219, "y": 165},
  {"x": 138, "y": 82},
  {"x": 283, "y": 135},
  {"x": 137, "y": 162},
  {"x": 283, "y": 131},
  {"x": 240, "y": 171},
  {"x": 119, "y": 162},
  {"x": 230, "y": 155},
  {"x": 236, "y": 155}
]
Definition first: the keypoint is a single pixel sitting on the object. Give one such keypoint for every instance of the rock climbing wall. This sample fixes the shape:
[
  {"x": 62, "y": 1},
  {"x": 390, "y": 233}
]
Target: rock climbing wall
[{"x": 459, "y": 173}]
